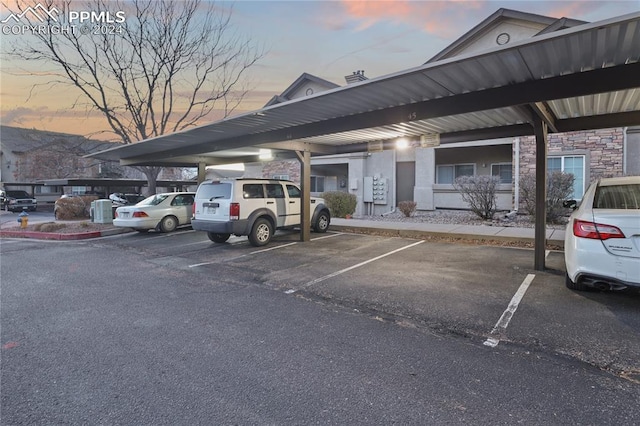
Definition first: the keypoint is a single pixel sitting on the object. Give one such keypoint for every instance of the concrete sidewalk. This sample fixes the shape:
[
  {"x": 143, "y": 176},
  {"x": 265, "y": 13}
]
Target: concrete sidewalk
[
  {"x": 10, "y": 228},
  {"x": 469, "y": 232}
]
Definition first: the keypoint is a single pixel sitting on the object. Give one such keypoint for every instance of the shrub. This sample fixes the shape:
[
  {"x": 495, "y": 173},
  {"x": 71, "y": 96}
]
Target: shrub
[
  {"x": 408, "y": 208},
  {"x": 479, "y": 192},
  {"x": 48, "y": 226},
  {"x": 340, "y": 203},
  {"x": 559, "y": 188}
]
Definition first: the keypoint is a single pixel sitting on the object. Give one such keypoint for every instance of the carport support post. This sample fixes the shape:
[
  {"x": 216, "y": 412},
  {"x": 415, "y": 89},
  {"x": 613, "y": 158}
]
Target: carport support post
[
  {"x": 305, "y": 184},
  {"x": 540, "y": 130},
  {"x": 202, "y": 171}
]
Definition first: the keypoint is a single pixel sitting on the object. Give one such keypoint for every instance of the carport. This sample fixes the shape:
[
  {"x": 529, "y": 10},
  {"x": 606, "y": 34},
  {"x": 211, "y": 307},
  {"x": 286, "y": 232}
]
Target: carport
[{"x": 582, "y": 78}]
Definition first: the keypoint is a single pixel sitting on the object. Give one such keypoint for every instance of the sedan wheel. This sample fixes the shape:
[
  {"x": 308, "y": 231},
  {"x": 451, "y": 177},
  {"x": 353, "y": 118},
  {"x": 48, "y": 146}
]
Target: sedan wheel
[
  {"x": 169, "y": 224},
  {"x": 261, "y": 233}
]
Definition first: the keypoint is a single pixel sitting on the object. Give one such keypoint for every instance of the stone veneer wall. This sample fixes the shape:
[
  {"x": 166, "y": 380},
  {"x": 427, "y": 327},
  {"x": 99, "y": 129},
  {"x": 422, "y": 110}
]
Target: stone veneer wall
[
  {"x": 602, "y": 148},
  {"x": 282, "y": 167}
]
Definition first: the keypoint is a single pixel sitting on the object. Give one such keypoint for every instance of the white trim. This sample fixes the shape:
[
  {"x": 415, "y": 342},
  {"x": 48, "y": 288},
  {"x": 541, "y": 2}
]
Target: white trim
[{"x": 487, "y": 142}]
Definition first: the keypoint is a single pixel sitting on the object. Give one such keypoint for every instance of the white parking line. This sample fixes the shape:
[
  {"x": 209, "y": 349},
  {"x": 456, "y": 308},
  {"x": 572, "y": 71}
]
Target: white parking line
[
  {"x": 342, "y": 271},
  {"x": 504, "y": 320},
  {"x": 245, "y": 255},
  {"x": 328, "y": 236}
]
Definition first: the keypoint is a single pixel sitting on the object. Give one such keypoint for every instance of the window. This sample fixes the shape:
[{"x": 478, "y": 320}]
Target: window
[
  {"x": 573, "y": 164},
  {"x": 215, "y": 190},
  {"x": 503, "y": 171},
  {"x": 621, "y": 197},
  {"x": 252, "y": 190},
  {"x": 449, "y": 173},
  {"x": 293, "y": 191},
  {"x": 274, "y": 190},
  {"x": 182, "y": 200},
  {"x": 317, "y": 184}
]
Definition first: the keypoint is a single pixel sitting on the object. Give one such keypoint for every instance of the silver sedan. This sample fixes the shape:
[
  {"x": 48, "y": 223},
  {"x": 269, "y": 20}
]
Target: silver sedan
[{"x": 162, "y": 212}]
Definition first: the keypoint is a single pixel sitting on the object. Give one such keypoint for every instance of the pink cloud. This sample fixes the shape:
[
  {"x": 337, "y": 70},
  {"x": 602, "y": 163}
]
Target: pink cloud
[{"x": 440, "y": 18}]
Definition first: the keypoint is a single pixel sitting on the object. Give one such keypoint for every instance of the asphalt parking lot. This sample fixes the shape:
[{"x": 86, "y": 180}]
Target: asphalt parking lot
[{"x": 490, "y": 295}]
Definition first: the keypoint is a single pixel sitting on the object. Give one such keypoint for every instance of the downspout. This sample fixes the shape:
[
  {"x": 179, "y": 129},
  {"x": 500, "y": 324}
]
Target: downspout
[
  {"x": 516, "y": 185},
  {"x": 624, "y": 151},
  {"x": 393, "y": 176}
]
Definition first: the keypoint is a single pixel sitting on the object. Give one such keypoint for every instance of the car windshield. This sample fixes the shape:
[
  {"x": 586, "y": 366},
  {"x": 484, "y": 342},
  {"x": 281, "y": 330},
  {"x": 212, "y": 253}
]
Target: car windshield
[
  {"x": 215, "y": 190},
  {"x": 153, "y": 200},
  {"x": 18, "y": 194},
  {"x": 623, "y": 197}
]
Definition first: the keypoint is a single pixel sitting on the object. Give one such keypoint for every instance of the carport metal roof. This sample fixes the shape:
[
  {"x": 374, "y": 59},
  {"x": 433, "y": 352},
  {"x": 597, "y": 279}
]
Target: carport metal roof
[
  {"x": 580, "y": 78},
  {"x": 585, "y": 77}
]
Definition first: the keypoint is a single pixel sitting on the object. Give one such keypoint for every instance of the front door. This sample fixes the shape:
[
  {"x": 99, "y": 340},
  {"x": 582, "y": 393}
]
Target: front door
[{"x": 405, "y": 180}]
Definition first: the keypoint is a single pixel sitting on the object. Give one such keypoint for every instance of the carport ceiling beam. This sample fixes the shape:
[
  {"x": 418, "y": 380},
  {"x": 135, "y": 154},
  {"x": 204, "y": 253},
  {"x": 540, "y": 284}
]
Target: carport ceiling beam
[
  {"x": 454, "y": 137},
  {"x": 302, "y": 146},
  {"x": 190, "y": 161},
  {"x": 540, "y": 111},
  {"x": 192, "y": 152},
  {"x": 621, "y": 119}
]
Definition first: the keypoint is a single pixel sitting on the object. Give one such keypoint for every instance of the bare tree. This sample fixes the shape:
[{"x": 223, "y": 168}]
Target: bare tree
[{"x": 160, "y": 66}]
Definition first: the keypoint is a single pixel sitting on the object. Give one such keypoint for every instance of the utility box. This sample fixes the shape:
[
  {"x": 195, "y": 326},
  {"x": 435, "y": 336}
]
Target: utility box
[
  {"x": 375, "y": 190},
  {"x": 102, "y": 212}
]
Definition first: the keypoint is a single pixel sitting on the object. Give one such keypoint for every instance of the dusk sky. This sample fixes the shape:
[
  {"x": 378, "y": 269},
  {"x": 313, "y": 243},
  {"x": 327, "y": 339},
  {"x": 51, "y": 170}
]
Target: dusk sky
[{"x": 329, "y": 39}]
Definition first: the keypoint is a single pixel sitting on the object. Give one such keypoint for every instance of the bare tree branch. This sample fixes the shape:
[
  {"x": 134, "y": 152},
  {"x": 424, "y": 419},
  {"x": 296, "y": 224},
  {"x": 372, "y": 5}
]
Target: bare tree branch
[{"x": 168, "y": 66}]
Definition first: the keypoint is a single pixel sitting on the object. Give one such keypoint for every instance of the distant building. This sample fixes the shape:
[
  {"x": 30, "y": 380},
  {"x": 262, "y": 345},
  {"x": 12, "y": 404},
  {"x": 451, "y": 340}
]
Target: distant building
[{"x": 29, "y": 157}]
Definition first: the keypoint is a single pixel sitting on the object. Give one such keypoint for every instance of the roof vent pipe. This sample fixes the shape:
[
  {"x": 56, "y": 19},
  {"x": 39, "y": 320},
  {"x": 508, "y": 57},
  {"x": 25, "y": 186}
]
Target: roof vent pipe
[{"x": 355, "y": 77}]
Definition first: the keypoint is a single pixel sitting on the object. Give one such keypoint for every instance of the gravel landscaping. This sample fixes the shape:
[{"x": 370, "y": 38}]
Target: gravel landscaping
[{"x": 461, "y": 217}]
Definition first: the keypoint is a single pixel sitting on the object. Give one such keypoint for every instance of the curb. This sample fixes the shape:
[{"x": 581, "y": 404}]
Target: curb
[
  {"x": 62, "y": 236},
  {"x": 411, "y": 233}
]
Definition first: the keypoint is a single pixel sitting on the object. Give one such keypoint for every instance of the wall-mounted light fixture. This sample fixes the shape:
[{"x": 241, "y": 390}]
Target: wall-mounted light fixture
[
  {"x": 265, "y": 154},
  {"x": 402, "y": 143}
]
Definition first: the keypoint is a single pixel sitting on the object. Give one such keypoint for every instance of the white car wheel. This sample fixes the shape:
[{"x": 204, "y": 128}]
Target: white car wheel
[{"x": 169, "y": 224}]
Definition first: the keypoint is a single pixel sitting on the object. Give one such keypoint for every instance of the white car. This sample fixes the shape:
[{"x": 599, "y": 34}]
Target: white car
[
  {"x": 602, "y": 239},
  {"x": 162, "y": 212}
]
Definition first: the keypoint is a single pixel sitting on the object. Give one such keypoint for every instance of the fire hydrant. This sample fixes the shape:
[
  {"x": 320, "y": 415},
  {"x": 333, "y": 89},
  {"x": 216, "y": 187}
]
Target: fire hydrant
[{"x": 23, "y": 219}]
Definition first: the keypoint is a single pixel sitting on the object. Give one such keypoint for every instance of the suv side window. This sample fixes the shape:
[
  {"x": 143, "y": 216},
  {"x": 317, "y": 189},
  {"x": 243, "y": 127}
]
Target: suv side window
[
  {"x": 293, "y": 191},
  {"x": 252, "y": 190},
  {"x": 274, "y": 190}
]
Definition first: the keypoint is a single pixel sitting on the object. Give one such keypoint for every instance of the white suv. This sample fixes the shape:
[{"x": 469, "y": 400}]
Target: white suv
[{"x": 253, "y": 207}]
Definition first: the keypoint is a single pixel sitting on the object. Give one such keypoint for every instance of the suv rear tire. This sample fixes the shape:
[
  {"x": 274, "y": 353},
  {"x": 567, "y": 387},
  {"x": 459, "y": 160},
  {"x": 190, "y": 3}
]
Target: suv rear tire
[
  {"x": 261, "y": 232},
  {"x": 218, "y": 238}
]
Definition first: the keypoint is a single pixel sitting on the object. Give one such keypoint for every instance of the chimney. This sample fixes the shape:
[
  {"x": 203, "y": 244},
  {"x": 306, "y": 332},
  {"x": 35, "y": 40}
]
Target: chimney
[{"x": 355, "y": 77}]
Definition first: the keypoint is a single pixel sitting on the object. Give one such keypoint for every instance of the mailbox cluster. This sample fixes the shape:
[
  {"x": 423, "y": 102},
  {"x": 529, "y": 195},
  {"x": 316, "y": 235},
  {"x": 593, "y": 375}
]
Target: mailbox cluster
[{"x": 375, "y": 190}]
